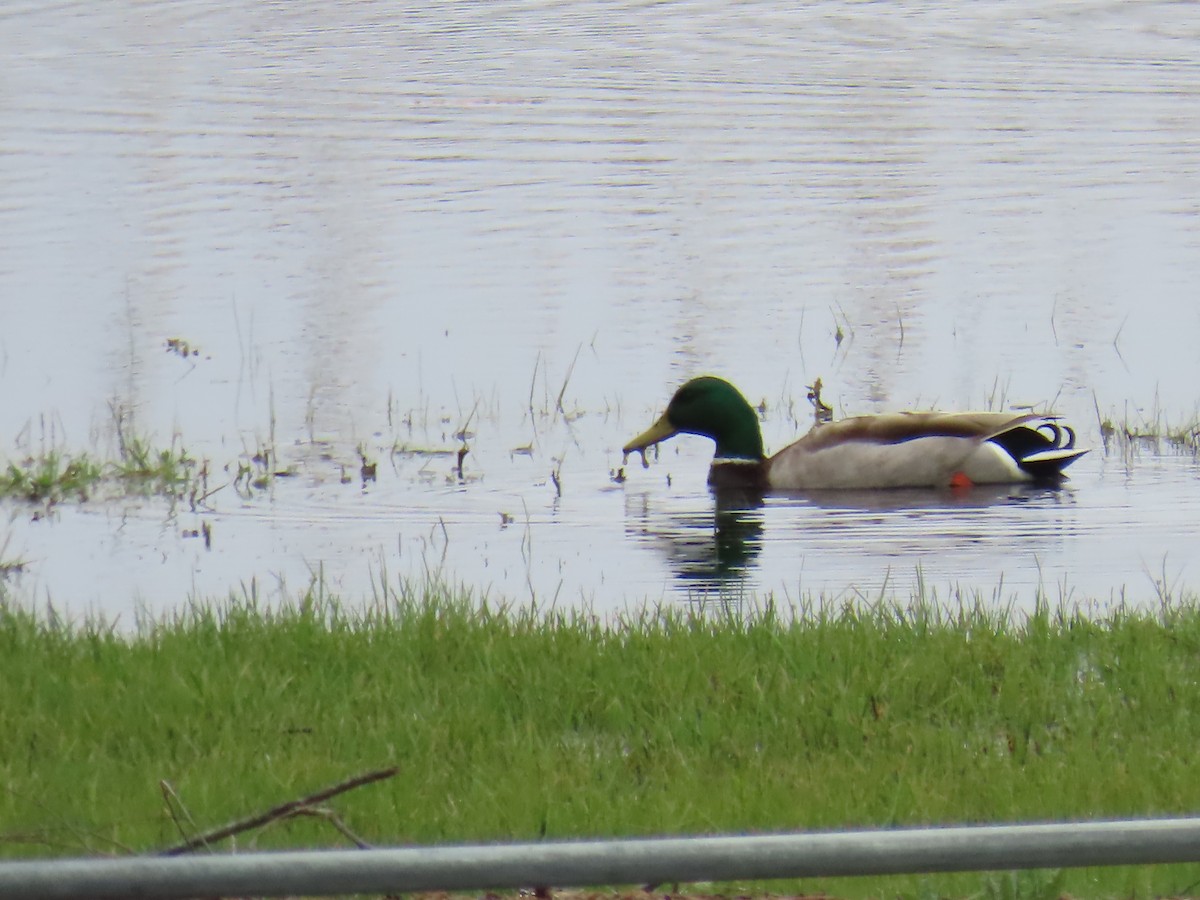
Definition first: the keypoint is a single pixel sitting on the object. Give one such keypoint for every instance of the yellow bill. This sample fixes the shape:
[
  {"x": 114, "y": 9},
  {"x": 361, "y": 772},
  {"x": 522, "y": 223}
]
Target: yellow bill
[{"x": 659, "y": 431}]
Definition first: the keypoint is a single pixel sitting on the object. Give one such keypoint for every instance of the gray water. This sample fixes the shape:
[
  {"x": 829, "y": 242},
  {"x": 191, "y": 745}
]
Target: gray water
[{"x": 378, "y": 227}]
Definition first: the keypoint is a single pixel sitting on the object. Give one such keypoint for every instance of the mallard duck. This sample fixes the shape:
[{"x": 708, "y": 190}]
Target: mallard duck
[{"x": 909, "y": 449}]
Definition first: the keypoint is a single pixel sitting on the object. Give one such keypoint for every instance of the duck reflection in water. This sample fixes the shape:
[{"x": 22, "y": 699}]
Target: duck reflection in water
[{"x": 711, "y": 550}]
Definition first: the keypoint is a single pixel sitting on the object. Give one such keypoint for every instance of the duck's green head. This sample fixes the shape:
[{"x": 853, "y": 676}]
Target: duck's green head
[{"x": 711, "y": 407}]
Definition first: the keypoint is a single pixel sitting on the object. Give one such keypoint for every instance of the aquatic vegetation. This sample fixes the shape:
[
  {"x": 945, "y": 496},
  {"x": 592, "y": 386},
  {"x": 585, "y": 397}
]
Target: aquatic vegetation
[
  {"x": 55, "y": 476},
  {"x": 9, "y": 565},
  {"x": 1151, "y": 429},
  {"x": 164, "y": 471},
  {"x": 51, "y": 477}
]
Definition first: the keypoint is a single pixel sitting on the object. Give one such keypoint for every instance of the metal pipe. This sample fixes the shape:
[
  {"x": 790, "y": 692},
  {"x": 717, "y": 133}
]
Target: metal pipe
[{"x": 585, "y": 863}]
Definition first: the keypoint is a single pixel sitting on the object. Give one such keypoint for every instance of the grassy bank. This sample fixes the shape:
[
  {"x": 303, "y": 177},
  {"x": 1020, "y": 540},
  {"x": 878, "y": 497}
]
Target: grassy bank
[{"x": 507, "y": 725}]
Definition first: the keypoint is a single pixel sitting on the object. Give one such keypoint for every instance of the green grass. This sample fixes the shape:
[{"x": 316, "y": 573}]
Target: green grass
[{"x": 511, "y": 725}]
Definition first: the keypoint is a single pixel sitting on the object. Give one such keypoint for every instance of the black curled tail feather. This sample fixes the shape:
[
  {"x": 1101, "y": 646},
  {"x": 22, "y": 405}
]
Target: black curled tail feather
[
  {"x": 1062, "y": 437},
  {"x": 1042, "y": 451}
]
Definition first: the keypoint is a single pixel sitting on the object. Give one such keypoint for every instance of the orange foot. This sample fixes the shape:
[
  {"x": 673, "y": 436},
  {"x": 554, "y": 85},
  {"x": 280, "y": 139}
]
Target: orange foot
[{"x": 959, "y": 481}]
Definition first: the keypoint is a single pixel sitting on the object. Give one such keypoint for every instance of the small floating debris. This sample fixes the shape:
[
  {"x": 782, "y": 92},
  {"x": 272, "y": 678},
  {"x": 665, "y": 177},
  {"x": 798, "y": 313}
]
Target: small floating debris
[
  {"x": 822, "y": 412},
  {"x": 11, "y": 567},
  {"x": 367, "y": 469},
  {"x": 181, "y": 347},
  {"x": 410, "y": 450},
  {"x": 204, "y": 531}
]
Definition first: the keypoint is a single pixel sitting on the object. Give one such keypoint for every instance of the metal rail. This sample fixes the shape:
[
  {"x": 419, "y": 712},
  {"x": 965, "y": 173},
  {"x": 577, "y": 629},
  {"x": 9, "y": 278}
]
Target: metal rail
[{"x": 585, "y": 863}]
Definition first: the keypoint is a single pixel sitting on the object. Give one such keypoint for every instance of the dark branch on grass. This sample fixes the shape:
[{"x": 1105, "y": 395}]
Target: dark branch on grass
[{"x": 303, "y": 806}]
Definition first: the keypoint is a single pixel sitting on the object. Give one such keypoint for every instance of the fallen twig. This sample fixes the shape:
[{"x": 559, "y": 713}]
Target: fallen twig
[{"x": 292, "y": 807}]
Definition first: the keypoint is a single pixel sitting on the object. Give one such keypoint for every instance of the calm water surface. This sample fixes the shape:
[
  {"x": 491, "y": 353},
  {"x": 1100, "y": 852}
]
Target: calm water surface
[{"x": 380, "y": 227}]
